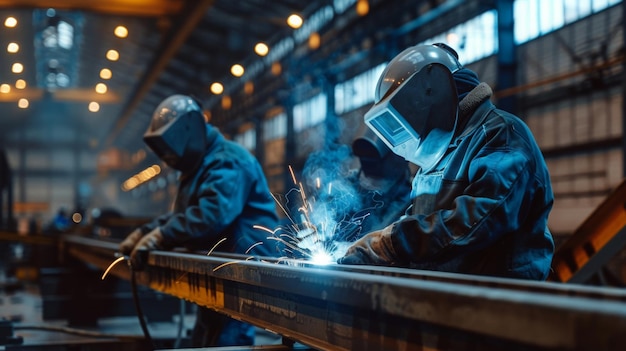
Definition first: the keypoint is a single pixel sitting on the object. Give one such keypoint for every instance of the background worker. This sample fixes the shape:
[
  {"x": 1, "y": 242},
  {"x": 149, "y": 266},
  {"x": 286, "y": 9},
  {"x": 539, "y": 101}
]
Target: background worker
[{"x": 222, "y": 193}]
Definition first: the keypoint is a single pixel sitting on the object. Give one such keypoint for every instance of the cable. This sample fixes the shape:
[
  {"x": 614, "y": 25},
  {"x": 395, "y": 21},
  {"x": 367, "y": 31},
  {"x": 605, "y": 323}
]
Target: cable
[
  {"x": 74, "y": 331},
  {"x": 140, "y": 315},
  {"x": 179, "y": 335}
]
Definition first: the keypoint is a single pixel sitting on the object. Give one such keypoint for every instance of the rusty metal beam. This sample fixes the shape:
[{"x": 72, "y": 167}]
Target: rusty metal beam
[
  {"x": 187, "y": 22},
  {"x": 145, "y": 8},
  {"x": 599, "y": 238},
  {"x": 360, "y": 308}
]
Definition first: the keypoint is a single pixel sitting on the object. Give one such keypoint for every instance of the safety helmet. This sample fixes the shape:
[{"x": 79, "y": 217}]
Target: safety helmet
[
  {"x": 177, "y": 132},
  {"x": 416, "y": 104}
]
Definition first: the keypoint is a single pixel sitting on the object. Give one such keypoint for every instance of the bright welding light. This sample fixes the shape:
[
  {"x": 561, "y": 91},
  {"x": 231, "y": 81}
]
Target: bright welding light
[{"x": 321, "y": 258}]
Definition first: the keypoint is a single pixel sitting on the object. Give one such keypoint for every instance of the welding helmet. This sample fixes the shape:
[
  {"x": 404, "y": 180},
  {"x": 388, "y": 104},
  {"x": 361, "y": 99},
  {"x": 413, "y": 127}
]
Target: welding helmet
[
  {"x": 416, "y": 104},
  {"x": 177, "y": 132},
  {"x": 377, "y": 160}
]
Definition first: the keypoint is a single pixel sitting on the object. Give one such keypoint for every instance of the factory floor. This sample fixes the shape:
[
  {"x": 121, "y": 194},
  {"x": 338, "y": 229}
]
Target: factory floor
[{"x": 22, "y": 326}]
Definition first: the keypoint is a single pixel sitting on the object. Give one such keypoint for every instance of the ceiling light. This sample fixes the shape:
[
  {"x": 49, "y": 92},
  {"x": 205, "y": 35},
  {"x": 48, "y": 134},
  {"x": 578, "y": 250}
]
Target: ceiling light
[
  {"x": 248, "y": 87},
  {"x": 101, "y": 88},
  {"x": 261, "y": 49},
  {"x": 237, "y": 70},
  {"x": 10, "y": 22},
  {"x": 113, "y": 55},
  {"x": 294, "y": 21},
  {"x": 276, "y": 68},
  {"x": 94, "y": 106},
  {"x": 20, "y": 84},
  {"x": 227, "y": 103},
  {"x": 22, "y": 103},
  {"x": 13, "y": 48},
  {"x": 121, "y": 32},
  {"x": 314, "y": 41},
  {"x": 362, "y": 7},
  {"x": 106, "y": 73},
  {"x": 5, "y": 88},
  {"x": 217, "y": 88},
  {"x": 17, "y": 68}
]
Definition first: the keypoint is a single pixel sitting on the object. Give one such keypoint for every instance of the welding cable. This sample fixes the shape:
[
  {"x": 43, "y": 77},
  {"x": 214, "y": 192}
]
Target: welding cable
[
  {"x": 80, "y": 332},
  {"x": 179, "y": 334},
  {"x": 142, "y": 320}
]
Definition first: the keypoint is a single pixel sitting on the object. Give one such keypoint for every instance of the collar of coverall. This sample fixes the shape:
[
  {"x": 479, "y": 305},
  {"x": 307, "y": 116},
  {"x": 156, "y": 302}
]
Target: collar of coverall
[{"x": 468, "y": 106}]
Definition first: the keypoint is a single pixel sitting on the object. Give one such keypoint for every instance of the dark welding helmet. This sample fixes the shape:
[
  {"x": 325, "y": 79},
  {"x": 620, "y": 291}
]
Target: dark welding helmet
[
  {"x": 177, "y": 132},
  {"x": 377, "y": 160},
  {"x": 416, "y": 104}
]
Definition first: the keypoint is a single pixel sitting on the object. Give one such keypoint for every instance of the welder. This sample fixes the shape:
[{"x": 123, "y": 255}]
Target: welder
[
  {"x": 222, "y": 193},
  {"x": 481, "y": 195}
]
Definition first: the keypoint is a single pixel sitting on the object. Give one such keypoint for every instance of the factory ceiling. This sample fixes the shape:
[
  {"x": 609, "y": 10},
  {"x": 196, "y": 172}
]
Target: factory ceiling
[{"x": 171, "y": 46}]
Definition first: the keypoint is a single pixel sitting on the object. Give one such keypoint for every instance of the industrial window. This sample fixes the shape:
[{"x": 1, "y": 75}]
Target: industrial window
[
  {"x": 275, "y": 127},
  {"x": 357, "y": 91},
  {"x": 309, "y": 112},
  {"x": 472, "y": 40},
  {"x": 541, "y": 17},
  {"x": 247, "y": 139}
]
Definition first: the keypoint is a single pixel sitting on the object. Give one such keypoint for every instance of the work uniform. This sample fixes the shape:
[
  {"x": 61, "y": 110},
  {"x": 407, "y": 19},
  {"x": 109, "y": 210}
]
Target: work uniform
[
  {"x": 484, "y": 208},
  {"x": 224, "y": 197}
]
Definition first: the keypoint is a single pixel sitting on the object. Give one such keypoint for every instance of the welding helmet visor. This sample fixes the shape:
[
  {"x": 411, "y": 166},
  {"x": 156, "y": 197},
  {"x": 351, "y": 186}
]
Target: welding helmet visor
[
  {"x": 416, "y": 104},
  {"x": 177, "y": 133}
]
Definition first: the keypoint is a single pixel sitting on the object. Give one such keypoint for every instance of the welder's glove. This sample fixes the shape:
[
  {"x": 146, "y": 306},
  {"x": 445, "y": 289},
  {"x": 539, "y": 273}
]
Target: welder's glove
[
  {"x": 374, "y": 249},
  {"x": 151, "y": 241},
  {"x": 127, "y": 245}
]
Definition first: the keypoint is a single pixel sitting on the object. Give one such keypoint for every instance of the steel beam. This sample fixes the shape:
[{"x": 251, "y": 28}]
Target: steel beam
[{"x": 376, "y": 308}]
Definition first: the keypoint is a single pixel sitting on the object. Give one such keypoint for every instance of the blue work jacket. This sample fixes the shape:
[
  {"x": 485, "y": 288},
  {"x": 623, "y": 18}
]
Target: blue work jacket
[
  {"x": 490, "y": 216},
  {"x": 224, "y": 197}
]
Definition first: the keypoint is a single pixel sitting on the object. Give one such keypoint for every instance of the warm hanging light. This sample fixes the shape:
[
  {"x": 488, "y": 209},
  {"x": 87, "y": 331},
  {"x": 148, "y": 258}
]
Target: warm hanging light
[
  {"x": 20, "y": 84},
  {"x": 237, "y": 70},
  {"x": 248, "y": 88},
  {"x": 5, "y": 88},
  {"x": 362, "y": 7},
  {"x": 106, "y": 73},
  {"x": 22, "y": 103},
  {"x": 17, "y": 68},
  {"x": 13, "y": 48},
  {"x": 226, "y": 102},
  {"x": 217, "y": 88},
  {"x": 294, "y": 21},
  {"x": 276, "y": 68},
  {"x": 101, "y": 88},
  {"x": 94, "y": 106},
  {"x": 314, "y": 41},
  {"x": 10, "y": 22},
  {"x": 261, "y": 49},
  {"x": 121, "y": 32},
  {"x": 113, "y": 55}
]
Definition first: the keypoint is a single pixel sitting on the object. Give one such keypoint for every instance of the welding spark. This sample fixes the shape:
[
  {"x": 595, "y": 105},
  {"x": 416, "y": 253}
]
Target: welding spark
[
  {"x": 214, "y": 246},
  {"x": 119, "y": 259},
  {"x": 322, "y": 228}
]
